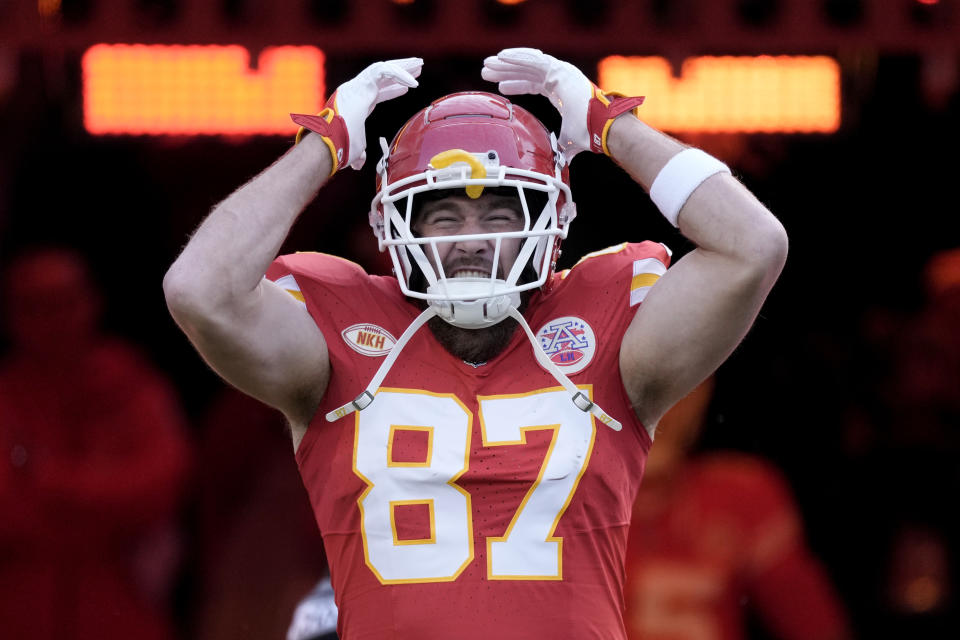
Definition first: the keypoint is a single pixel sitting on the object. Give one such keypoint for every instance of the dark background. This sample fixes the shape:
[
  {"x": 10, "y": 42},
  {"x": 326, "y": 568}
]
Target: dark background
[{"x": 810, "y": 388}]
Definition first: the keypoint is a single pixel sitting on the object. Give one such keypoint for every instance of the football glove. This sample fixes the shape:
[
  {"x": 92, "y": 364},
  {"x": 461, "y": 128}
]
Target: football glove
[
  {"x": 587, "y": 111},
  {"x": 341, "y": 123}
]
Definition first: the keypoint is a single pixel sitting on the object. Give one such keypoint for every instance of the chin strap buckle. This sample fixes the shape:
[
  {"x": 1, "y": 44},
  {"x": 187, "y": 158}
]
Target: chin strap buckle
[
  {"x": 583, "y": 402},
  {"x": 580, "y": 399},
  {"x": 363, "y": 400},
  {"x": 359, "y": 403}
]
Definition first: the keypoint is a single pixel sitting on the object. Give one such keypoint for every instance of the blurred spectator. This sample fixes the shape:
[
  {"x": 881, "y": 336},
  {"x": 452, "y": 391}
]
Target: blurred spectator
[
  {"x": 95, "y": 459},
  {"x": 927, "y": 375},
  {"x": 715, "y": 537},
  {"x": 895, "y": 535},
  {"x": 921, "y": 440},
  {"x": 260, "y": 551}
]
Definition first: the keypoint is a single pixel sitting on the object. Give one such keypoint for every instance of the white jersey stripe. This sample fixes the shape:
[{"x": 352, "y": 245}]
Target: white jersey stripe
[
  {"x": 639, "y": 288},
  {"x": 649, "y": 265},
  {"x": 289, "y": 284}
]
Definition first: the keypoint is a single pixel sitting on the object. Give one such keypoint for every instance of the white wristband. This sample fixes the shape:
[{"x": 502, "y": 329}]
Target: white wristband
[{"x": 680, "y": 177}]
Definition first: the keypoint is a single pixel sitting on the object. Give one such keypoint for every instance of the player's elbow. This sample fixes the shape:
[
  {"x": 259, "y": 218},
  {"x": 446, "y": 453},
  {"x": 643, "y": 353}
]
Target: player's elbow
[
  {"x": 204, "y": 305},
  {"x": 182, "y": 294},
  {"x": 778, "y": 245},
  {"x": 768, "y": 247}
]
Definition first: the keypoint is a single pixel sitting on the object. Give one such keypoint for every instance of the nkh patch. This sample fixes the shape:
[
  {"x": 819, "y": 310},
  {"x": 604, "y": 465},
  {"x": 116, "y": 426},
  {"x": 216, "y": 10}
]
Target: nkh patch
[
  {"x": 569, "y": 342},
  {"x": 368, "y": 339}
]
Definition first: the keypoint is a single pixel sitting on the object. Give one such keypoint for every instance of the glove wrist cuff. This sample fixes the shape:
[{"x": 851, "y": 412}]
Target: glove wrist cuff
[
  {"x": 332, "y": 129},
  {"x": 602, "y": 111}
]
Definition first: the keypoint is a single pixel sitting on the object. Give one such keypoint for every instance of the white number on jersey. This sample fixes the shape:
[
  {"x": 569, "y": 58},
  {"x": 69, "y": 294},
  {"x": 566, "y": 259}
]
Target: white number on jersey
[{"x": 528, "y": 550}]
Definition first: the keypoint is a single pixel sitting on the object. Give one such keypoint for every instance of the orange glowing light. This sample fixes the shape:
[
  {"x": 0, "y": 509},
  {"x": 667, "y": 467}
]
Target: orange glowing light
[
  {"x": 48, "y": 8},
  {"x": 786, "y": 94},
  {"x": 198, "y": 90}
]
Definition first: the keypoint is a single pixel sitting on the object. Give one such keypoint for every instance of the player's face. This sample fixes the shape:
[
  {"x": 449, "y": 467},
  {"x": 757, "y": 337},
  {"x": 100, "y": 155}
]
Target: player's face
[{"x": 461, "y": 215}]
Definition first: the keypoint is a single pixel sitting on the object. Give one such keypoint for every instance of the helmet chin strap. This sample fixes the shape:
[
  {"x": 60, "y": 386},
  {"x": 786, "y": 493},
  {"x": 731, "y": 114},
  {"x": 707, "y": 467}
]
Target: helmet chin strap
[
  {"x": 579, "y": 399},
  {"x": 363, "y": 400}
]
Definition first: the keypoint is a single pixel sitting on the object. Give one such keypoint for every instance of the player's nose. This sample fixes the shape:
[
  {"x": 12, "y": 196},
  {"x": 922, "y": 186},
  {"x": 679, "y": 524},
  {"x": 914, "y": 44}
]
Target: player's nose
[{"x": 472, "y": 226}]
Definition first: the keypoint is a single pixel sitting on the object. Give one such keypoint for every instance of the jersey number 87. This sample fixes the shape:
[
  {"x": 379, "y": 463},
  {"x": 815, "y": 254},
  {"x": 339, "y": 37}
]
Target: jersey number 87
[{"x": 528, "y": 550}]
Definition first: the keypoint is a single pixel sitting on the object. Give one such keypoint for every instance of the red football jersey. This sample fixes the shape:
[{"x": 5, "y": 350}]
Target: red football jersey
[
  {"x": 475, "y": 501},
  {"x": 724, "y": 534}
]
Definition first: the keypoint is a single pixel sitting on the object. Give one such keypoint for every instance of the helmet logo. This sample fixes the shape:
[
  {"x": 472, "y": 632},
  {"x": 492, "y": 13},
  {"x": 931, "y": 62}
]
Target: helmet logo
[
  {"x": 445, "y": 158},
  {"x": 569, "y": 342}
]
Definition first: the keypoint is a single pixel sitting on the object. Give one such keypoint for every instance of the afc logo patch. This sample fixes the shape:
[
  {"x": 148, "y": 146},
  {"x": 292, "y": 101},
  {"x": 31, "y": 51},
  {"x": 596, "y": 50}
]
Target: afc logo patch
[{"x": 569, "y": 342}]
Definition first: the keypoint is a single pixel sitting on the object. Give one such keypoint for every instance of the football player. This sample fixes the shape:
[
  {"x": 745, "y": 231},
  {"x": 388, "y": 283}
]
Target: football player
[
  {"x": 716, "y": 537},
  {"x": 474, "y": 478}
]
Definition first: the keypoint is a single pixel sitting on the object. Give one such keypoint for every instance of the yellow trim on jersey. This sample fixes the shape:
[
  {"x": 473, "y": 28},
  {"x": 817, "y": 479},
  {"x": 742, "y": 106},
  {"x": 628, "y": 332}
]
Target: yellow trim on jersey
[
  {"x": 555, "y": 428},
  {"x": 603, "y": 252},
  {"x": 289, "y": 284},
  {"x": 405, "y": 427},
  {"x": 646, "y": 273},
  {"x": 393, "y": 522},
  {"x": 546, "y": 458},
  {"x": 452, "y": 482},
  {"x": 643, "y": 280},
  {"x": 296, "y": 294}
]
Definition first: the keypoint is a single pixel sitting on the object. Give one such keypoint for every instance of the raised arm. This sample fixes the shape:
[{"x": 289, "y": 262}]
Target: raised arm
[
  {"x": 248, "y": 329},
  {"x": 700, "y": 310}
]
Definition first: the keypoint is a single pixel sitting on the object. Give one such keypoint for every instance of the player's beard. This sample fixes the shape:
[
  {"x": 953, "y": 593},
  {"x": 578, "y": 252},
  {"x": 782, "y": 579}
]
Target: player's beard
[{"x": 475, "y": 346}]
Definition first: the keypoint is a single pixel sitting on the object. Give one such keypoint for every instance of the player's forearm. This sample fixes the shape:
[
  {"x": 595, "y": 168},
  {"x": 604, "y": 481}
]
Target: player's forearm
[
  {"x": 640, "y": 149},
  {"x": 228, "y": 254},
  {"x": 721, "y": 216}
]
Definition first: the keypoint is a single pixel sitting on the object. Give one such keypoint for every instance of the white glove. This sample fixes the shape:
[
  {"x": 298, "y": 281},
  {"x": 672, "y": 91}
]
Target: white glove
[
  {"x": 355, "y": 99},
  {"x": 524, "y": 70},
  {"x": 584, "y": 108},
  {"x": 341, "y": 123}
]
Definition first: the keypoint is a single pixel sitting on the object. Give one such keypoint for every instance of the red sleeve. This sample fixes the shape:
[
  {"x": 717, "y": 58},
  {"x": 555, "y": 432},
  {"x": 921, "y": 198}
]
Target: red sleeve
[
  {"x": 796, "y": 599},
  {"x": 629, "y": 268},
  {"x": 786, "y": 582},
  {"x": 310, "y": 266},
  {"x": 326, "y": 284}
]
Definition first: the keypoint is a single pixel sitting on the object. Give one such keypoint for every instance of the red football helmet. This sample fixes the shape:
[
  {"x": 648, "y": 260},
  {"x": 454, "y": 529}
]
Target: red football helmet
[{"x": 472, "y": 141}]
